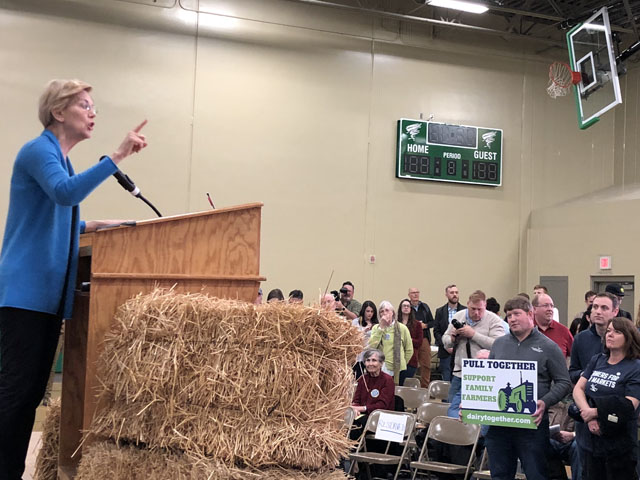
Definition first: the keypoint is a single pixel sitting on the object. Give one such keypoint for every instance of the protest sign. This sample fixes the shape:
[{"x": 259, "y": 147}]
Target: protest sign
[{"x": 499, "y": 392}]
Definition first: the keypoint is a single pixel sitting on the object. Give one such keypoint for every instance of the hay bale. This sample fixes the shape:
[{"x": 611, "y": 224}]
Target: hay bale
[
  {"x": 248, "y": 385},
  {"x": 47, "y": 460},
  {"x": 107, "y": 460}
]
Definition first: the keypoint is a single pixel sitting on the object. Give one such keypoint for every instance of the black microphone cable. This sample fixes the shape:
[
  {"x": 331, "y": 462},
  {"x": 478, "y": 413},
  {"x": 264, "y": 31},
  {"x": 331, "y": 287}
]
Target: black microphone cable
[{"x": 126, "y": 183}]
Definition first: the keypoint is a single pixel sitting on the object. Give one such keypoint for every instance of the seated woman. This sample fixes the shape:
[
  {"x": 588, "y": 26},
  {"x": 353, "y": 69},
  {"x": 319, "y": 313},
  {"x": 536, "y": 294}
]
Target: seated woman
[
  {"x": 394, "y": 339},
  {"x": 408, "y": 318},
  {"x": 608, "y": 394},
  {"x": 375, "y": 391},
  {"x": 366, "y": 320}
]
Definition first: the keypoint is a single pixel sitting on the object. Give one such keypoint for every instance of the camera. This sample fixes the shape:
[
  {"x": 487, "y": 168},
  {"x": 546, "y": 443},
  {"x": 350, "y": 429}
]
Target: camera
[
  {"x": 574, "y": 412},
  {"x": 344, "y": 290},
  {"x": 457, "y": 323}
]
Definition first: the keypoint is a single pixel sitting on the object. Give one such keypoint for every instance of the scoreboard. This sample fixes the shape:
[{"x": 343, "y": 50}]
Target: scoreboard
[{"x": 449, "y": 153}]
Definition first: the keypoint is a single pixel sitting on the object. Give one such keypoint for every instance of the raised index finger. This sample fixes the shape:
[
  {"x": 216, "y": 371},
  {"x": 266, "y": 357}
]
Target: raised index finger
[{"x": 139, "y": 127}]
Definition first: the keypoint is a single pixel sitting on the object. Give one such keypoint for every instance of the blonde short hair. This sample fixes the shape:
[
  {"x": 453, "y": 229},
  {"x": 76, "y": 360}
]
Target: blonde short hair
[{"x": 57, "y": 95}]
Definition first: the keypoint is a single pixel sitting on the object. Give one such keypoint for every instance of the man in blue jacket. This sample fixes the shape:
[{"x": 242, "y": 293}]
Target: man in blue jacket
[{"x": 589, "y": 342}]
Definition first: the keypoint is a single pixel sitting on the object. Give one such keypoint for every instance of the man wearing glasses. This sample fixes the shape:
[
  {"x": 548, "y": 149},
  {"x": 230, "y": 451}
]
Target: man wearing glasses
[{"x": 543, "y": 315}]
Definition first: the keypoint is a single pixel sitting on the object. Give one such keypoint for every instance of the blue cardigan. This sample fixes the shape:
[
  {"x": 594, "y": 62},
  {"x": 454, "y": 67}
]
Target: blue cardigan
[{"x": 39, "y": 258}]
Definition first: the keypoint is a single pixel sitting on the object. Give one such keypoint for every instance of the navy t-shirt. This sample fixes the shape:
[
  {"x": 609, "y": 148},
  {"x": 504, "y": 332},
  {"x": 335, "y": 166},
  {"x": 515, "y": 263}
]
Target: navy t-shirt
[{"x": 603, "y": 379}]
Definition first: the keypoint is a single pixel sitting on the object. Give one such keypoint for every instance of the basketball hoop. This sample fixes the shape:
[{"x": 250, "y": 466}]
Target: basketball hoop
[{"x": 561, "y": 77}]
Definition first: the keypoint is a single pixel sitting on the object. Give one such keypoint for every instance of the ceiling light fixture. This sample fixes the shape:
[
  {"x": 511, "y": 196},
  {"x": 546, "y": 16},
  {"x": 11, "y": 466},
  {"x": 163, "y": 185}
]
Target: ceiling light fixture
[{"x": 459, "y": 5}]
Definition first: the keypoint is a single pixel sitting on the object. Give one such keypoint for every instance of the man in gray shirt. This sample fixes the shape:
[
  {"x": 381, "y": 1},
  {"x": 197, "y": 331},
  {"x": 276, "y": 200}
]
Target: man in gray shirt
[{"x": 506, "y": 444}]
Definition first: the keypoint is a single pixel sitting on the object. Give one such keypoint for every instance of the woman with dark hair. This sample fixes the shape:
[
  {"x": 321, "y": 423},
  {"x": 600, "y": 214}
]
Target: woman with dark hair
[
  {"x": 368, "y": 317},
  {"x": 608, "y": 394},
  {"x": 407, "y": 317},
  {"x": 582, "y": 323},
  {"x": 275, "y": 295},
  {"x": 366, "y": 320}
]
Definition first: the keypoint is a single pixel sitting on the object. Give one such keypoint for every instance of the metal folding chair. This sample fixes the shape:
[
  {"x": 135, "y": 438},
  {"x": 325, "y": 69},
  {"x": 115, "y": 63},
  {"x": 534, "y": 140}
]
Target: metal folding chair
[
  {"x": 412, "y": 382},
  {"x": 439, "y": 390},
  {"x": 453, "y": 432},
  {"x": 412, "y": 397},
  {"x": 427, "y": 412},
  {"x": 377, "y": 458},
  {"x": 430, "y": 410},
  {"x": 349, "y": 417}
]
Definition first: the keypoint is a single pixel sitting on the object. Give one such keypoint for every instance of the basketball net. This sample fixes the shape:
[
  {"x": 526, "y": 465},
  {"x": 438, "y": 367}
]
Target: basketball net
[{"x": 561, "y": 78}]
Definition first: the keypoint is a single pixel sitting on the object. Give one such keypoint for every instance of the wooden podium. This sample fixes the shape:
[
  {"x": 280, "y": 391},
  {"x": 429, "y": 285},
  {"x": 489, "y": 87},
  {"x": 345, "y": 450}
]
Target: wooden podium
[{"x": 216, "y": 252}]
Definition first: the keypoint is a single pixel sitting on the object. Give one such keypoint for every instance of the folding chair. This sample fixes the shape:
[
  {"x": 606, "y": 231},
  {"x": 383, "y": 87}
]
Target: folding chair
[
  {"x": 439, "y": 390},
  {"x": 363, "y": 456},
  {"x": 453, "y": 432},
  {"x": 413, "y": 397},
  {"x": 430, "y": 410},
  {"x": 427, "y": 412},
  {"x": 483, "y": 473},
  {"x": 412, "y": 382},
  {"x": 349, "y": 417}
]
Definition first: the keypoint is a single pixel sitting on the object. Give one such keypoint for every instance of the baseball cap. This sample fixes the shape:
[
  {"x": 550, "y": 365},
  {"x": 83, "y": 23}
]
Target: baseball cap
[{"x": 616, "y": 289}]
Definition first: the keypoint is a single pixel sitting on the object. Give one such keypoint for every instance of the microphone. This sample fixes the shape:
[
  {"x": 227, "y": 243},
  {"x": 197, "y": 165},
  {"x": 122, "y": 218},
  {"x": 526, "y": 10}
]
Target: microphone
[
  {"x": 124, "y": 180},
  {"x": 126, "y": 183}
]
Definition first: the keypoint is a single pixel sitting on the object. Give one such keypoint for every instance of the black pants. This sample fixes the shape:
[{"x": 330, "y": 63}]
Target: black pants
[
  {"x": 613, "y": 467},
  {"x": 28, "y": 343}
]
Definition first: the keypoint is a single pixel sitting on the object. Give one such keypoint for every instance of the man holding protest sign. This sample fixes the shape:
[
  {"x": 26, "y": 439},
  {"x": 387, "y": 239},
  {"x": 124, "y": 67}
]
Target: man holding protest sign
[{"x": 524, "y": 343}]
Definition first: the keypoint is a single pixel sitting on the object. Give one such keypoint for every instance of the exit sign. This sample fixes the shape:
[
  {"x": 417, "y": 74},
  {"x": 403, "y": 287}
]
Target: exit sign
[{"x": 605, "y": 263}]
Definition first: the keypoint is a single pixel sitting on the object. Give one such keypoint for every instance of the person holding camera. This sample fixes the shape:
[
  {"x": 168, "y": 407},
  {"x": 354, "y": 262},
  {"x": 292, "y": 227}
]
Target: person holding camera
[
  {"x": 351, "y": 306},
  {"x": 471, "y": 334}
]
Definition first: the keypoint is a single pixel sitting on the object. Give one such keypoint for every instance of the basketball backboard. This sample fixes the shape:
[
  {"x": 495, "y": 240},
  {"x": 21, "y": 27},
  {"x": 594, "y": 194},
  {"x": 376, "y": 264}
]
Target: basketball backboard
[{"x": 591, "y": 54}]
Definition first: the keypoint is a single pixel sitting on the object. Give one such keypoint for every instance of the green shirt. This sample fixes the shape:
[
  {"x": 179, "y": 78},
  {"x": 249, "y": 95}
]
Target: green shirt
[
  {"x": 354, "y": 306},
  {"x": 382, "y": 339}
]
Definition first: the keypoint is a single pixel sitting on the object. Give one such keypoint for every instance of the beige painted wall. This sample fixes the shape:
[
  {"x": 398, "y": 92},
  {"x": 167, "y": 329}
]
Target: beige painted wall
[
  {"x": 297, "y": 107},
  {"x": 568, "y": 233}
]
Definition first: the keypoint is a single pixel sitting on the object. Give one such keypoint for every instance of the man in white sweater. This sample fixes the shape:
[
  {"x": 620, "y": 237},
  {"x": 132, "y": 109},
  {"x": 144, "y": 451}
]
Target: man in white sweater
[{"x": 471, "y": 334}]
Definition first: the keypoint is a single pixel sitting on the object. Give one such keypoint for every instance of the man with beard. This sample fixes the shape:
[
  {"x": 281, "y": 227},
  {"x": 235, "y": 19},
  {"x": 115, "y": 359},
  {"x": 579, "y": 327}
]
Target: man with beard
[{"x": 444, "y": 314}]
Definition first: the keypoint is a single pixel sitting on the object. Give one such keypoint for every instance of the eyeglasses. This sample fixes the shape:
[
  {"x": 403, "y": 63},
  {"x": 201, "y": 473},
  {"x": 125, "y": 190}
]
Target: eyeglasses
[{"x": 88, "y": 108}]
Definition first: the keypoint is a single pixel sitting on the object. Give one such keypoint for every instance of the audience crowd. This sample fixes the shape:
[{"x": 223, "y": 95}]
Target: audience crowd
[{"x": 588, "y": 373}]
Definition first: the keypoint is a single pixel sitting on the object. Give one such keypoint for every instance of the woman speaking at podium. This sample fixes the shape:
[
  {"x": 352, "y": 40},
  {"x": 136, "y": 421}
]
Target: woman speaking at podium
[{"x": 39, "y": 255}]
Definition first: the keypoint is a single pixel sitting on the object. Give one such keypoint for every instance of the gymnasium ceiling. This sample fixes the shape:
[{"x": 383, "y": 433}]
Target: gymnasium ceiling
[{"x": 542, "y": 21}]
